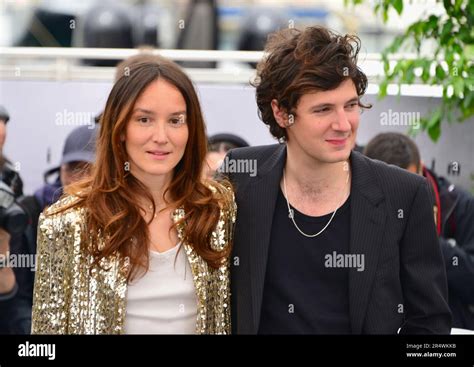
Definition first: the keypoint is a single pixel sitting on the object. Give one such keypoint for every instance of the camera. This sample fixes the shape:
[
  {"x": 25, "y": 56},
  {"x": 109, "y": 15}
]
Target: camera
[{"x": 13, "y": 218}]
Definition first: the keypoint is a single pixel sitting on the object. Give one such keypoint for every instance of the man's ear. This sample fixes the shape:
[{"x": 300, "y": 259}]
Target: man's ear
[{"x": 281, "y": 117}]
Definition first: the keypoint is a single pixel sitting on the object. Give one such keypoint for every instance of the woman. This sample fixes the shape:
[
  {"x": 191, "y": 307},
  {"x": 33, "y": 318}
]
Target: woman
[{"x": 141, "y": 246}]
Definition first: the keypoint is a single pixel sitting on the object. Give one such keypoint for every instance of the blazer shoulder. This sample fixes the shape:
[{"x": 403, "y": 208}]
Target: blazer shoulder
[
  {"x": 256, "y": 152},
  {"x": 61, "y": 217},
  {"x": 64, "y": 205},
  {"x": 223, "y": 232},
  {"x": 224, "y": 193},
  {"x": 394, "y": 178}
]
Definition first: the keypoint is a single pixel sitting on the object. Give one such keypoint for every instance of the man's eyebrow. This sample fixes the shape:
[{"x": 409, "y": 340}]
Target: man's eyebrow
[{"x": 354, "y": 99}]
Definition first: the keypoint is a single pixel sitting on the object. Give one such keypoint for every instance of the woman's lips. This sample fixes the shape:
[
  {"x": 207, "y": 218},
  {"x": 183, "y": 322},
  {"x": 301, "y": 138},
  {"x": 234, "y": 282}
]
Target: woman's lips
[{"x": 159, "y": 155}]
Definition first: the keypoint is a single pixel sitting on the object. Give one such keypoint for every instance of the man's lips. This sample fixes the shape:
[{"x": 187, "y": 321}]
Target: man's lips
[{"x": 337, "y": 141}]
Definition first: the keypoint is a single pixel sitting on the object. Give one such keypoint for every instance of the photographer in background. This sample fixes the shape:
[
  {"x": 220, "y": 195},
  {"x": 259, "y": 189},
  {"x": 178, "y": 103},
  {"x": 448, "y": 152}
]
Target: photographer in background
[
  {"x": 13, "y": 221},
  {"x": 78, "y": 154},
  {"x": 7, "y": 173}
]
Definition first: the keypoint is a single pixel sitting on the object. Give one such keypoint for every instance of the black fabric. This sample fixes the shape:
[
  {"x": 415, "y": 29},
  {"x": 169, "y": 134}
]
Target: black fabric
[
  {"x": 33, "y": 208},
  {"x": 8, "y": 302},
  {"x": 19, "y": 308},
  {"x": 304, "y": 292},
  {"x": 457, "y": 218},
  {"x": 403, "y": 285},
  {"x": 9, "y": 295},
  {"x": 12, "y": 179}
]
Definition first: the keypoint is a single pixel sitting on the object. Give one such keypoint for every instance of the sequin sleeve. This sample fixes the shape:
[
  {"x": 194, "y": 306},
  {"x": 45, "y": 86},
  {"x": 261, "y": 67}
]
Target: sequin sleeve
[
  {"x": 53, "y": 276},
  {"x": 222, "y": 237}
]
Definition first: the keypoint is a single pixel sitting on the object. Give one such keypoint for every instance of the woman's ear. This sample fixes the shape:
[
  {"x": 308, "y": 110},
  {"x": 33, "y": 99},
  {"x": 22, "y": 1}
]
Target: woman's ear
[{"x": 281, "y": 117}]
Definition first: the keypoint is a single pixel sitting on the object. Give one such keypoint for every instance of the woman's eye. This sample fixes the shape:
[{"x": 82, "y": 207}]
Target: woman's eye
[
  {"x": 144, "y": 120},
  {"x": 178, "y": 120}
]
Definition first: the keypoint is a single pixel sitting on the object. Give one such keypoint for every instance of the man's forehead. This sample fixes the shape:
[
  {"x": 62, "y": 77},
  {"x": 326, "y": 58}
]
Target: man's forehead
[{"x": 343, "y": 93}]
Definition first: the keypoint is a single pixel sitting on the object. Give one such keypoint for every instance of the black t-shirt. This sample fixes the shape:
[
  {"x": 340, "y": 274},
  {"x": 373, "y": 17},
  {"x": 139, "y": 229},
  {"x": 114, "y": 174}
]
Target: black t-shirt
[{"x": 306, "y": 289}]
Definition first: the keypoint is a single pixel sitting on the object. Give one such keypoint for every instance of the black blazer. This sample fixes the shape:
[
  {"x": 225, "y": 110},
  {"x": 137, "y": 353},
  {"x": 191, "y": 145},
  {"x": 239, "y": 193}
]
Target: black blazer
[{"x": 392, "y": 224}]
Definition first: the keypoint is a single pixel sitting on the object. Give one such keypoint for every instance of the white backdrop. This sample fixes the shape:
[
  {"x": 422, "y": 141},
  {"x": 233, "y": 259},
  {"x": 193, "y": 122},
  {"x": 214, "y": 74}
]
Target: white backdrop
[{"x": 35, "y": 140}]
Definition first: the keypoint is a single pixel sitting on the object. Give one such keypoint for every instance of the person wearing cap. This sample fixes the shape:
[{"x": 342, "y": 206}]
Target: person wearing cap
[
  {"x": 7, "y": 172},
  {"x": 77, "y": 156},
  {"x": 10, "y": 176},
  {"x": 218, "y": 146}
]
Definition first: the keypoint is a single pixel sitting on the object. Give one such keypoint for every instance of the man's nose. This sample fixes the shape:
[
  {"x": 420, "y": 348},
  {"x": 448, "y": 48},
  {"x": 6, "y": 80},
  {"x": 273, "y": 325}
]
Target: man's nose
[{"x": 341, "y": 122}]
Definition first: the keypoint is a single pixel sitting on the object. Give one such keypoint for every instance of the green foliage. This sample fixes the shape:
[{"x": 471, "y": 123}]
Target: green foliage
[{"x": 449, "y": 66}]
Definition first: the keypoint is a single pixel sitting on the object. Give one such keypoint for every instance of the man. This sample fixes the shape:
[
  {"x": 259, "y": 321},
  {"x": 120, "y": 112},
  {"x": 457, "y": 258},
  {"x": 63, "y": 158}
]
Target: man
[
  {"x": 454, "y": 216},
  {"x": 326, "y": 240}
]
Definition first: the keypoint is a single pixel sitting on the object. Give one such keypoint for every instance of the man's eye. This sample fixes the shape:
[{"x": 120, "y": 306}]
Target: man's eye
[
  {"x": 352, "y": 105},
  {"x": 325, "y": 109}
]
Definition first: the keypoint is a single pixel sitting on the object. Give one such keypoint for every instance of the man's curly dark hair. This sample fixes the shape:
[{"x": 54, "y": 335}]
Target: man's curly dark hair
[{"x": 299, "y": 62}]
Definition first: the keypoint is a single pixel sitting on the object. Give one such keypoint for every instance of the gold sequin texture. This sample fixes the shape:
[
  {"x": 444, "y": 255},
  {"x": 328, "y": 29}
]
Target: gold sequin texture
[{"x": 69, "y": 298}]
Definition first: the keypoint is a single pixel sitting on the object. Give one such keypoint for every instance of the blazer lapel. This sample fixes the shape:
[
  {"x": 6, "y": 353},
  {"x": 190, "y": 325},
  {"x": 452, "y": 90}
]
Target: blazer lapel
[
  {"x": 262, "y": 195},
  {"x": 367, "y": 227}
]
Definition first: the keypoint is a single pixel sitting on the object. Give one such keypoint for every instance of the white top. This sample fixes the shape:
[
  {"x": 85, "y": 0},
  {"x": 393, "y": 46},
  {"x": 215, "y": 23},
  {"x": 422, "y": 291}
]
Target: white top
[{"x": 163, "y": 301}]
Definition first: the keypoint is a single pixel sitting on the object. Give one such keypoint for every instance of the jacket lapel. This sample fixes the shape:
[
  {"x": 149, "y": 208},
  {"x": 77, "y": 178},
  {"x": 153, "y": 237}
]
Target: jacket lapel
[
  {"x": 367, "y": 227},
  {"x": 262, "y": 193}
]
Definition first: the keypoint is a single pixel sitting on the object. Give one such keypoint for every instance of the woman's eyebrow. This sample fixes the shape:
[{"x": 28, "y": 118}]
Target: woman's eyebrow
[
  {"x": 178, "y": 113},
  {"x": 143, "y": 110}
]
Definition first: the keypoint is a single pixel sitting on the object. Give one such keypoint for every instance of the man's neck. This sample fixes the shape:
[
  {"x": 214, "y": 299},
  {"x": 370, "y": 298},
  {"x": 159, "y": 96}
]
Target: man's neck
[
  {"x": 315, "y": 188},
  {"x": 313, "y": 178}
]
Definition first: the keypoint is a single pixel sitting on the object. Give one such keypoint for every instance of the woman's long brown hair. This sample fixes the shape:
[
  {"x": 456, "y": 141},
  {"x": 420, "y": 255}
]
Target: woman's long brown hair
[{"x": 110, "y": 194}]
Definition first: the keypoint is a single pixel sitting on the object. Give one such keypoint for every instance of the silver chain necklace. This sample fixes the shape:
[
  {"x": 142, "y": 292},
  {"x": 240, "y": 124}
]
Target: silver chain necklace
[{"x": 291, "y": 213}]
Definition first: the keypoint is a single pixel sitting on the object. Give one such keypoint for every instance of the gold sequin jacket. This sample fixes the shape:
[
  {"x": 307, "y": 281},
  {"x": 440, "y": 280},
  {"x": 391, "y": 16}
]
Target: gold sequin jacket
[{"x": 70, "y": 299}]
